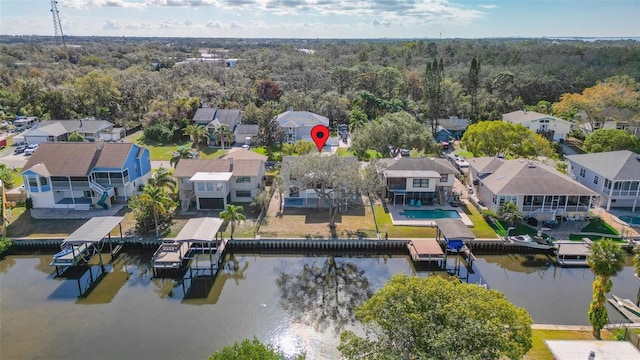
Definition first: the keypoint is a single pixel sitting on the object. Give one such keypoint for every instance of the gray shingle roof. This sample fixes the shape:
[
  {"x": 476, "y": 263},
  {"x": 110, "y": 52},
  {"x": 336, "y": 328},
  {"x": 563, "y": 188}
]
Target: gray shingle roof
[
  {"x": 520, "y": 177},
  {"x": 60, "y": 127},
  {"x": 454, "y": 124},
  {"x": 245, "y": 130},
  {"x": 302, "y": 118},
  {"x": 204, "y": 115},
  {"x": 614, "y": 165},
  {"x": 230, "y": 117},
  {"x": 409, "y": 164}
]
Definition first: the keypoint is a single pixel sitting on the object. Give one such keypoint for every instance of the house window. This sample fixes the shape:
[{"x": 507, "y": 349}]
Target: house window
[
  {"x": 243, "y": 179},
  {"x": 420, "y": 183},
  {"x": 209, "y": 186},
  {"x": 43, "y": 181},
  {"x": 607, "y": 183},
  {"x": 595, "y": 179},
  {"x": 33, "y": 182},
  {"x": 582, "y": 172},
  {"x": 507, "y": 198},
  {"x": 243, "y": 193},
  {"x": 444, "y": 178},
  {"x": 200, "y": 186},
  {"x": 125, "y": 173}
]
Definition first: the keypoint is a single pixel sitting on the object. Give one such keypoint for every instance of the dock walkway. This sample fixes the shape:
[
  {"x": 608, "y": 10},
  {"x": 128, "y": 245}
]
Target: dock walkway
[
  {"x": 171, "y": 255},
  {"x": 626, "y": 307}
]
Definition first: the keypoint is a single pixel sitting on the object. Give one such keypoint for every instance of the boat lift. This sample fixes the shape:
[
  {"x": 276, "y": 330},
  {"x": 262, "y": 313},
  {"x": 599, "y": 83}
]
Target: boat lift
[{"x": 82, "y": 245}]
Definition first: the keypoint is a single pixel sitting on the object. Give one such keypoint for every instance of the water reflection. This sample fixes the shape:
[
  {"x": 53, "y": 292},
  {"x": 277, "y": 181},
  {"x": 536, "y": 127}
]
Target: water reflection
[
  {"x": 522, "y": 263},
  {"x": 321, "y": 295}
]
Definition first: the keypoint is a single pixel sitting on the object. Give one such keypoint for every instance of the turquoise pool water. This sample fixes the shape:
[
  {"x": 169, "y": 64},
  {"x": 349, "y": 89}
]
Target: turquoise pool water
[
  {"x": 631, "y": 220},
  {"x": 431, "y": 214}
]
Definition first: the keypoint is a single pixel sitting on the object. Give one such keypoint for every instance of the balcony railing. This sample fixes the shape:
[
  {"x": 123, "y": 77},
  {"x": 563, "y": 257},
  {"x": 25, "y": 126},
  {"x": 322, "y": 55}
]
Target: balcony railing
[
  {"x": 568, "y": 208},
  {"x": 625, "y": 193}
]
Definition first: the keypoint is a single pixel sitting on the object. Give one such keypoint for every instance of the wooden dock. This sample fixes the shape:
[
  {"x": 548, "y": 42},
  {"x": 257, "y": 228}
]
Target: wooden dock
[
  {"x": 170, "y": 255},
  {"x": 422, "y": 250},
  {"x": 626, "y": 307}
]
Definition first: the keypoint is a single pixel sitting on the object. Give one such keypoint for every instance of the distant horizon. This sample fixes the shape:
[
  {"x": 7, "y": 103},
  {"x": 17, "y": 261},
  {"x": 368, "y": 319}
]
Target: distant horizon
[
  {"x": 615, "y": 38},
  {"x": 327, "y": 19}
]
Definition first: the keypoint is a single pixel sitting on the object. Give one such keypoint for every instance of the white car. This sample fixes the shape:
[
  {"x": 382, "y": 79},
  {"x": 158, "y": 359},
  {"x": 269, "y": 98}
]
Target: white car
[{"x": 31, "y": 149}]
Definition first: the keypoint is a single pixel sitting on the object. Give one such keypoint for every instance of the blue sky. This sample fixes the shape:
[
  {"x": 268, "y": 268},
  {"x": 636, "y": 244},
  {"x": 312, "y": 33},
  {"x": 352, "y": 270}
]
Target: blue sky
[{"x": 326, "y": 18}]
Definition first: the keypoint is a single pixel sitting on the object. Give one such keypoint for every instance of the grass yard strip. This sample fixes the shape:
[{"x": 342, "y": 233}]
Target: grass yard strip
[
  {"x": 539, "y": 351},
  {"x": 481, "y": 229},
  {"x": 599, "y": 226}
]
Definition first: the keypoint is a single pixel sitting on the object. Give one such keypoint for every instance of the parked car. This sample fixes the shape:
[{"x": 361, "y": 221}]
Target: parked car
[
  {"x": 30, "y": 149},
  {"x": 20, "y": 149}
]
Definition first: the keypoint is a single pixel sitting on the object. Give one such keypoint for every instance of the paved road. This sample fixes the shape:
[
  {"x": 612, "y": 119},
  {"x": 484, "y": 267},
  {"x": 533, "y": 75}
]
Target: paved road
[{"x": 10, "y": 159}]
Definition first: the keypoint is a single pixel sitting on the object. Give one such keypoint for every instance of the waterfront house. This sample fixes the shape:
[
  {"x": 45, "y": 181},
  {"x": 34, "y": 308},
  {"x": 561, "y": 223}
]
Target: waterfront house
[
  {"x": 78, "y": 175},
  {"x": 297, "y": 125},
  {"x": 551, "y": 127},
  {"x": 59, "y": 130},
  {"x": 615, "y": 175},
  {"x": 296, "y": 194},
  {"x": 413, "y": 181},
  {"x": 538, "y": 190},
  {"x": 212, "y": 184}
]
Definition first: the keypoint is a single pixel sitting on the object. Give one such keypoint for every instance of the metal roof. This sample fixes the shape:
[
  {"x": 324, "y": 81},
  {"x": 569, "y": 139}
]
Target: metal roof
[
  {"x": 211, "y": 176},
  {"x": 94, "y": 230},
  {"x": 200, "y": 229},
  {"x": 454, "y": 229}
]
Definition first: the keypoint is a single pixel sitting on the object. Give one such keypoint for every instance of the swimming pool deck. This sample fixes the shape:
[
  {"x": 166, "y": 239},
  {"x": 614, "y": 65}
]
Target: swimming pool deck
[{"x": 398, "y": 219}]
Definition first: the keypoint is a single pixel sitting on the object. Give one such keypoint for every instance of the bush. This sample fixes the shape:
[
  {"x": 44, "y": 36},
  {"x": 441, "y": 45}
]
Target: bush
[
  {"x": 488, "y": 214},
  {"x": 160, "y": 132},
  {"x": 5, "y": 244}
]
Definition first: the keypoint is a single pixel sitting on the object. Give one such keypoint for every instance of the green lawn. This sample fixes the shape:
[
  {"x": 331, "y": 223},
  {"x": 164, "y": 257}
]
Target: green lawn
[
  {"x": 386, "y": 226},
  {"x": 599, "y": 226},
  {"x": 539, "y": 351},
  {"x": 160, "y": 152},
  {"x": 481, "y": 229},
  {"x": 466, "y": 154}
]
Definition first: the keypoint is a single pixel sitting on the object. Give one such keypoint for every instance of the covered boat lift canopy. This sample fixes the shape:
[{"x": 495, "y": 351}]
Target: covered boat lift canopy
[
  {"x": 453, "y": 230},
  {"x": 456, "y": 234},
  {"x": 204, "y": 230},
  {"x": 76, "y": 246}
]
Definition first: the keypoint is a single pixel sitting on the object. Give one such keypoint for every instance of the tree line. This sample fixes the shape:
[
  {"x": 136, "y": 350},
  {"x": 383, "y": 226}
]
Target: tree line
[{"x": 142, "y": 81}]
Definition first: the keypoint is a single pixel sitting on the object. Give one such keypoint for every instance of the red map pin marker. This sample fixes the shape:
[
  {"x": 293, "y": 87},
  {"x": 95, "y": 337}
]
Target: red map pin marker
[{"x": 320, "y": 135}]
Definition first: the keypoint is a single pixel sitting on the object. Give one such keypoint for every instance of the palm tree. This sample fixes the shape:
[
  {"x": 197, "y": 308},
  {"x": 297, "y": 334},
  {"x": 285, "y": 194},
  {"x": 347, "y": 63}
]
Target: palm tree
[
  {"x": 160, "y": 202},
  {"x": 163, "y": 178},
  {"x": 606, "y": 259},
  {"x": 510, "y": 213},
  {"x": 181, "y": 153},
  {"x": 233, "y": 214},
  {"x": 196, "y": 133},
  {"x": 223, "y": 134}
]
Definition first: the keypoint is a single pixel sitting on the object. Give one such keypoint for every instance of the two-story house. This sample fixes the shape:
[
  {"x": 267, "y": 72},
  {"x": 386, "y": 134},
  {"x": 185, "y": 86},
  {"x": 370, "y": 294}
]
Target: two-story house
[
  {"x": 59, "y": 130},
  {"x": 451, "y": 128},
  {"x": 298, "y": 124},
  {"x": 550, "y": 127},
  {"x": 409, "y": 180},
  {"x": 78, "y": 175},
  {"x": 212, "y": 184},
  {"x": 615, "y": 175},
  {"x": 538, "y": 190}
]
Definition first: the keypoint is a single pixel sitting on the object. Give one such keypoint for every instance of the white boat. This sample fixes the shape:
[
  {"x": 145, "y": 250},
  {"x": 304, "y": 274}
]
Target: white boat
[{"x": 528, "y": 241}]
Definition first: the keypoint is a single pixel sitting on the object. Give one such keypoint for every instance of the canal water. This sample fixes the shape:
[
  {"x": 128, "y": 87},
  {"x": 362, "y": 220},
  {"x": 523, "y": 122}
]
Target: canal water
[{"x": 294, "y": 302}]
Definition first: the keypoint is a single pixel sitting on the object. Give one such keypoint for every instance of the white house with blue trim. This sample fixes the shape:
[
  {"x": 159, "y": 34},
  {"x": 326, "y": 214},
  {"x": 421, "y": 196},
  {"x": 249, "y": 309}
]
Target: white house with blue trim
[{"x": 79, "y": 175}]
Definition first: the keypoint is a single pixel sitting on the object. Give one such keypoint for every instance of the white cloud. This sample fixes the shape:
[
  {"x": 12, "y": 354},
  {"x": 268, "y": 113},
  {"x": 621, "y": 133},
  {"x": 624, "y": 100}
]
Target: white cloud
[
  {"x": 383, "y": 22},
  {"x": 213, "y": 25},
  {"x": 111, "y": 25},
  {"x": 187, "y": 22},
  {"x": 489, "y": 6},
  {"x": 413, "y": 11}
]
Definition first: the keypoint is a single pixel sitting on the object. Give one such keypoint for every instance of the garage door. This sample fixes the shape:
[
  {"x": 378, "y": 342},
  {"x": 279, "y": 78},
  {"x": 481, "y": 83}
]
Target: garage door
[{"x": 211, "y": 203}]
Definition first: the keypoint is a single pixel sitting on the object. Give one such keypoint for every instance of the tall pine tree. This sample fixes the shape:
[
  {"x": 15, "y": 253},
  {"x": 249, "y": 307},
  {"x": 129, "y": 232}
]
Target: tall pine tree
[
  {"x": 434, "y": 78},
  {"x": 473, "y": 85}
]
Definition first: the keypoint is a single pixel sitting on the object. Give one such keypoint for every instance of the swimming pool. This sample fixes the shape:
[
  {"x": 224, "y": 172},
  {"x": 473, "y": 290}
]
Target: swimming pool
[
  {"x": 631, "y": 220},
  {"x": 431, "y": 214}
]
